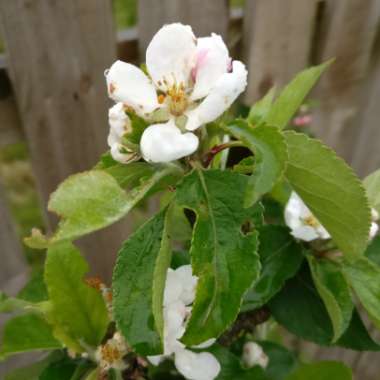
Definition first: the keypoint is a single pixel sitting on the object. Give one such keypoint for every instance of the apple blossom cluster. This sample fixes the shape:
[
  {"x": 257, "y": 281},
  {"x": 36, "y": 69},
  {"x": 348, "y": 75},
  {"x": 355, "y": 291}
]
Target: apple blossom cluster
[
  {"x": 188, "y": 82},
  {"x": 179, "y": 295},
  {"x": 253, "y": 354},
  {"x": 305, "y": 226}
]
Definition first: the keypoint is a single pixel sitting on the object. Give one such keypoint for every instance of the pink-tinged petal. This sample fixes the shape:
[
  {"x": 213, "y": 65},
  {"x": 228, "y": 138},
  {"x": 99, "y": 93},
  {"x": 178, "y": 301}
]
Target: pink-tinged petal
[
  {"x": 212, "y": 62},
  {"x": 171, "y": 55},
  {"x": 165, "y": 143},
  {"x": 128, "y": 84},
  {"x": 225, "y": 91}
]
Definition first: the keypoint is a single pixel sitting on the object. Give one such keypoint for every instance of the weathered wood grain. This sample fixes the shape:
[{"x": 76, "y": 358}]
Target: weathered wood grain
[
  {"x": 276, "y": 43},
  {"x": 350, "y": 29},
  {"x": 204, "y": 16},
  {"x": 57, "y": 52}
]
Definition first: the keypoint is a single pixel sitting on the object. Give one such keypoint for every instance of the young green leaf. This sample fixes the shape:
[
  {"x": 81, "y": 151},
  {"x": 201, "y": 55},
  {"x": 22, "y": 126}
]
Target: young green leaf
[
  {"x": 62, "y": 368},
  {"x": 93, "y": 200},
  {"x": 300, "y": 310},
  {"x": 325, "y": 370},
  {"x": 35, "y": 289},
  {"x": 260, "y": 109},
  {"x": 223, "y": 255},
  {"x": 280, "y": 258},
  {"x": 12, "y": 304},
  {"x": 138, "y": 286},
  {"x": 78, "y": 309},
  {"x": 331, "y": 190},
  {"x": 335, "y": 293},
  {"x": 292, "y": 96},
  {"x": 372, "y": 186},
  {"x": 28, "y": 332},
  {"x": 364, "y": 277},
  {"x": 269, "y": 148},
  {"x": 373, "y": 250}
]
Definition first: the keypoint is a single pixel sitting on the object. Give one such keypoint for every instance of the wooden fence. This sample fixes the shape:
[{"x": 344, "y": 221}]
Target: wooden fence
[{"x": 56, "y": 52}]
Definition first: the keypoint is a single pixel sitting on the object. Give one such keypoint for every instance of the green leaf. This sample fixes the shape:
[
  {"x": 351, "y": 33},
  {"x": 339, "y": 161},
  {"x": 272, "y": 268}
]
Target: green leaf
[
  {"x": 231, "y": 367},
  {"x": 28, "y": 332},
  {"x": 300, "y": 310},
  {"x": 11, "y": 304},
  {"x": 35, "y": 289},
  {"x": 293, "y": 95},
  {"x": 325, "y": 370},
  {"x": 260, "y": 109},
  {"x": 93, "y": 200},
  {"x": 372, "y": 186},
  {"x": 335, "y": 293},
  {"x": 373, "y": 250},
  {"x": 269, "y": 148},
  {"x": 281, "y": 361},
  {"x": 331, "y": 190},
  {"x": 138, "y": 286},
  {"x": 280, "y": 258},
  {"x": 223, "y": 256},
  {"x": 78, "y": 309},
  {"x": 63, "y": 368},
  {"x": 364, "y": 277}
]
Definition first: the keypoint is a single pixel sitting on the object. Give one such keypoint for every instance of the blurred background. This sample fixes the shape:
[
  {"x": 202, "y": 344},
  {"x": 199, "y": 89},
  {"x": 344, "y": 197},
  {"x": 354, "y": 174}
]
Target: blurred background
[{"x": 53, "y": 103}]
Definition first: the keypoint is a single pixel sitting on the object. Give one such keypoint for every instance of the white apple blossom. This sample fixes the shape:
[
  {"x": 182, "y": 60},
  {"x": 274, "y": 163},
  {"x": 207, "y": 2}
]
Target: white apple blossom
[
  {"x": 110, "y": 354},
  {"x": 190, "y": 82},
  {"x": 120, "y": 124},
  {"x": 303, "y": 224},
  {"x": 253, "y": 354},
  {"x": 374, "y": 226},
  {"x": 179, "y": 294}
]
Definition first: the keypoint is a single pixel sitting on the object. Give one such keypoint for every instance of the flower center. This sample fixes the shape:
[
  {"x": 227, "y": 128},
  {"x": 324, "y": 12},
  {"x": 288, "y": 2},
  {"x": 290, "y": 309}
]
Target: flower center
[
  {"x": 178, "y": 101},
  {"x": 311, "y": 221}
]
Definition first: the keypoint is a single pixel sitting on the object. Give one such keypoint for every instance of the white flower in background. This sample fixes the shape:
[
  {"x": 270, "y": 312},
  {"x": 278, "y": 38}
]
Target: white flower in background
[
  {"x": 120, "y": 124},
  {"x": 110, "y": 355},
  {"x": 253, "y": 354},
  {"x": 374, "y": 226},
  {"x": 178, "y": 296},
  {"x": 191, "y": 82},
  {"x": 303, "y": 224}
]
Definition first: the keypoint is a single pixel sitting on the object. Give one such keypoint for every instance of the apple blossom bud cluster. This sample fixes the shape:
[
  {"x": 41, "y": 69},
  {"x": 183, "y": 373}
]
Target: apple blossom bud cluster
[
  {"x": 179, "y": 295},
  {"x": 305, "y": 226},
  {"x": 253, "y": 354},
  {"x": 189, "y": 82}
]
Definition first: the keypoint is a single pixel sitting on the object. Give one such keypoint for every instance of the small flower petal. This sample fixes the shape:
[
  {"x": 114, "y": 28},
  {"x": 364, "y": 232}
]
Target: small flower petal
[
  {"x": 165, "y": 143},
  {"x": 171, "y": 55},
  {"x": 118, "y": 155},
  {"x": 225, "y": 91},
  {"x": 212, "y": 62},
  {"x": 188, "y": 282},
  {"x": 373, "y": 230},
  {"x": 119, "y": 122},
  {"x": 194, "y": 366},
  {"x": 128, "y": 84}
]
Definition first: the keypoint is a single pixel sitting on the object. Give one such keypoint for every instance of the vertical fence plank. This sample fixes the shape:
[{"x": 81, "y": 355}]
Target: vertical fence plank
[
  {"x": 277, "y": 42},
  {"x": 350, "y": 32},
  {"x": 204, "y": 16},
  {"x": 57, "y": 52},
  {"x": 366, "y": 155}
]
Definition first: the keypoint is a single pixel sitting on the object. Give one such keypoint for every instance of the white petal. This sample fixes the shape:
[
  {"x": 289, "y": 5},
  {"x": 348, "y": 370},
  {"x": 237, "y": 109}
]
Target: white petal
[
  {"x": 225, "y": 91},
  {"x": 173, "y": 287},
  {"x": 193, "y": 366},
  {"x": 117, "y": 155},
  {"x": 373, "y": 230},
  {"x": 156, "y": 360},
  {"x": 128, "y": 84},
  {"x": 188, "y": 282},
  {"x": 119, "y": 124},
  {"x": 253, "y": 354},
  {"x": 212, "y": 62},
  {"x": 175, "y": 315},
  {"x": 206, "y": 344},
  {"x": 305, "y": 233},
  {"x": 165, "y": 143},
  {"x": 171, "y": 55}
]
